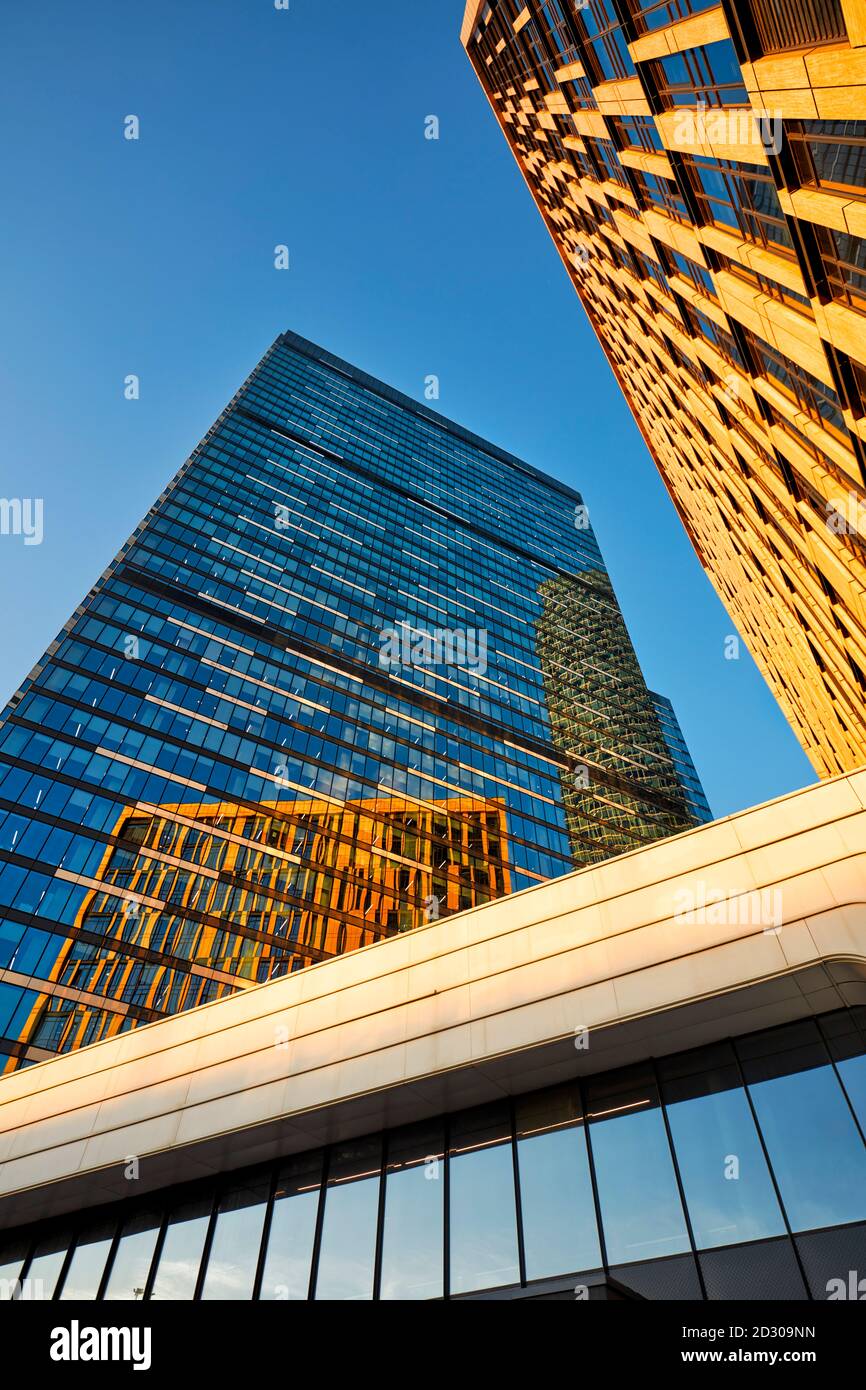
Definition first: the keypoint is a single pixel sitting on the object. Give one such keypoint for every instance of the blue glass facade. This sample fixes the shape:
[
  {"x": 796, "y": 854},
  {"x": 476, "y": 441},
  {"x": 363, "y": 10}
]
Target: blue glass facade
[{"x": 356, "y": 670}]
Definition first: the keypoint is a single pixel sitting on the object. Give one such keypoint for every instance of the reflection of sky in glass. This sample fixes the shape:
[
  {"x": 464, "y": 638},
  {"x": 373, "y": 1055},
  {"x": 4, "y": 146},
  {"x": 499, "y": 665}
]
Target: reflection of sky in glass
[
  {"x": 412, "y": 1253},
  {"x": 290, "y": 1247},
  {"x": 707, "y": 1131},
  {"x": 87, "y": 1266},
  {"x": 131, "y": 1264},
  {"x": 640, "y": 1204},
  {"x": 45, "y": 1270},
  {"x": 349, "y": 1240},
  {"x": 483, "y": 1220},
  {"x": 853, "y": 1074},
  {"x": 181, "y": 1253},
  {"x": 559, "y": 1226},
  {"x": 814, "y": 1147},
  {"x": 231, "y": 1266}
]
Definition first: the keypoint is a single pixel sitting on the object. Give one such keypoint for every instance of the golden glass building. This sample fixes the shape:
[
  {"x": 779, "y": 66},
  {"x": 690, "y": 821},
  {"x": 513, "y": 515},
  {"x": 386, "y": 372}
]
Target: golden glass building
[{"x": 702, "y": 171}]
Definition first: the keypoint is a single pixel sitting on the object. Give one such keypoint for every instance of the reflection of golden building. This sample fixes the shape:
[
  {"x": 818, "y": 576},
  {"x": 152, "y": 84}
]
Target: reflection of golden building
[
  {"x": 193, "y": 901},
  {"x": 604, "y": 718}
]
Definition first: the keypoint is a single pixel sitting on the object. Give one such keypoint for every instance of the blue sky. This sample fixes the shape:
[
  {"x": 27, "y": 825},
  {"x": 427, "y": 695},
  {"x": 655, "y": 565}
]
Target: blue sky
[{"x": 409, "y": 257}]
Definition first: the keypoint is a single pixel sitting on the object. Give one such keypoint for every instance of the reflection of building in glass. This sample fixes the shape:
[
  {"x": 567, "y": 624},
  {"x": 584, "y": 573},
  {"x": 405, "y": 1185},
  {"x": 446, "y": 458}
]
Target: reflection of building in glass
[
  {"x": 629, "y": 786},
  {"x": 701, "y": 169},
  {"x": 227, "y": 729},
  {"x": 685, "y": 768},
  {"x": 238, "y": 898}
]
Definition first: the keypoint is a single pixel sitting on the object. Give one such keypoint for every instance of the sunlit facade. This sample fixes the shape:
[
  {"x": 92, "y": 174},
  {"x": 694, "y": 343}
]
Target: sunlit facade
[
  {"x": 357, "y": 670},
  {"x": 701, "y": 168}
]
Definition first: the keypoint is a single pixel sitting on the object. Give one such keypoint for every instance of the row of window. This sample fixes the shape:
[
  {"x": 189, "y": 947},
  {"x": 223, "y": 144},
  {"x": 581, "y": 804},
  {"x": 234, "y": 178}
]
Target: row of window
[{"x": 733, "y": 1143}]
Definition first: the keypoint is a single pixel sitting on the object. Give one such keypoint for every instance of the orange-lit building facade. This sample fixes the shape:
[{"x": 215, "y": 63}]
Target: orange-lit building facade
[
  {"x": 240, "y": 897},
  {"x": 701, "y": 169}
]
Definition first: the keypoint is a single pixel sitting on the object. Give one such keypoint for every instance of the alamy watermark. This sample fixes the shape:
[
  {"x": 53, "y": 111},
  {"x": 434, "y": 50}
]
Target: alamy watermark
[
  {"x": 705, "y": 906},
  {"x": 22, "y": 516},
  {"x": 405, "y": 645},
  {"x": 702, "y": 125},
  {"x": 846, "y": 516}
]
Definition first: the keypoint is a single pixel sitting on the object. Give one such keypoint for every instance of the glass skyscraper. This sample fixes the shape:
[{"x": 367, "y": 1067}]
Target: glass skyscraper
[{"x": 356, "y": 670}]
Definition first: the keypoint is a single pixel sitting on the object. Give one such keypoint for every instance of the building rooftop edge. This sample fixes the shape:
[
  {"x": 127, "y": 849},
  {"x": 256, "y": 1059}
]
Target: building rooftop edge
[{"x": 435, "y": 417}]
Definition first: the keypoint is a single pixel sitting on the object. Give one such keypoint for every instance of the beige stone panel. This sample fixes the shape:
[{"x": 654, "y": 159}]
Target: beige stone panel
[
  {"x": 797, "y": 944},
  {"x": 235, "y": 1112},
  {"x": 54, "y": 1130},
  {"x": 694, "y": 977},
  {"x": 793, "y": 860},
  {"x": 37, "y": 1169},
  {"x": 569, "y": 72},
  {"x": 674, "y": 234},
  {"x": 678, "y": 856},
  {"x": 115, "y": 1147},
  {"x": 590, "y": 123},
  {"x": 685, "y": 33},
  {"x": 144, "y": 1104},
  {"x": 838, "y": 66},
  {"x": 788, "y": 103},
  {"x": 437, "y": 1012},
  {"x": 470, "y": 20},
  {"x": 703, "y": 138},
  {"x": 633, "y": 232},
  {"x": 817, "y": 205},
  {"x": 846, "y": 880},
  {"x": 821, "y": 805},
  {"x": 846, "y": 329},
  {"x": 437, "y": 1052},
  {"x": 854, "y": 12},
  {"x": 239, "y": 1073},
  {"x": 782, "y": 70},
  {"x": 839, "y": 933},
  {"x": 658, "y": 164},
  {"x": 841, "y": 103}
]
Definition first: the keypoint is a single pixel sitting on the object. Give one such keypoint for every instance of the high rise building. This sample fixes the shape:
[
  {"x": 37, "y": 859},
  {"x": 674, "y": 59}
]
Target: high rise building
[
  {"x": 357, "y": 670},
  {"x": 701, "y": 169}
]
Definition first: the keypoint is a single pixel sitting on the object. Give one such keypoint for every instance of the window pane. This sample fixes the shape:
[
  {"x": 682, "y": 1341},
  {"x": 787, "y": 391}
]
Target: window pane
[
  {"x": 560, "y": 1233},
  {"x": 47, "y": 1263},
  {"x": 848, "y": 1050},
  {"x": 182, "y": 1249},
  {"x": 293, "y": 1229},
  {"x": 414, "y": 1231},
  {"x": 817, "y": 1155},
  {"x": 483, "y": 1220},
  {"x": 349, "y": 1230},
  {"x": 640, "y": 1202},
  {"x": 12, "y": 1256},
  {"x": 234, "y": 1254},
  {"x": 132, "y": 1258},
  {"x": 729, "y": 1191},
  {"x": 88, "y": 1262}
]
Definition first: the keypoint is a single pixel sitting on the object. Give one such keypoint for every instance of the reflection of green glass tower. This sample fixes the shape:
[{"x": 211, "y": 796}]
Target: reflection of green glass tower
[
  {"x": 623, "y": 787},
  {"x": 217, "y": 774}
]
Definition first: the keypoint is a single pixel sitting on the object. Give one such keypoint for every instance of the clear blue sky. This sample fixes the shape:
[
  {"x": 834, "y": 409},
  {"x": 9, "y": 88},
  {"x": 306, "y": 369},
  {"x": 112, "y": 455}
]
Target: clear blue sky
[{"x": 408, "y": 257}]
